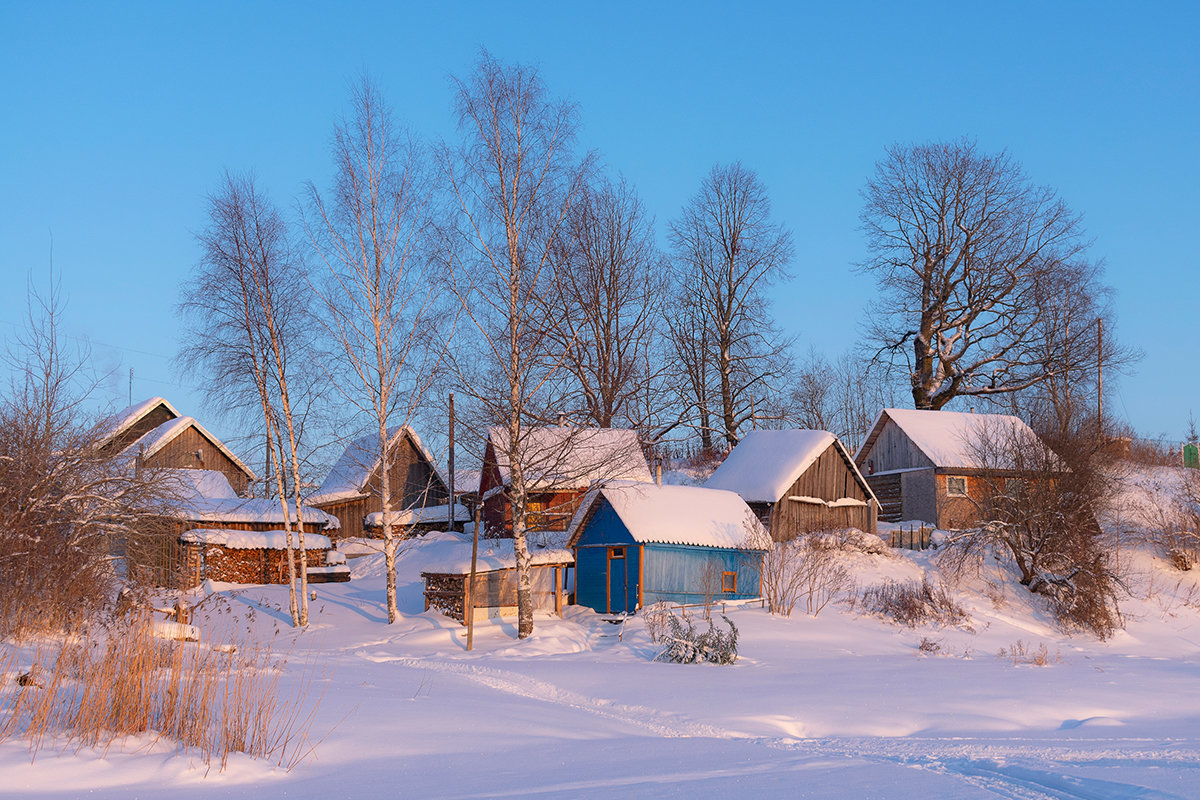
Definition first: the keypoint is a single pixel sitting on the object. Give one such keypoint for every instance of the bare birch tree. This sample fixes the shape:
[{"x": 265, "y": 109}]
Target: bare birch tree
[
  {"x": 370, "y": 231},
  {"x": 977, "y": 268},
  {"x": 730, "y": 252},
  {"x": 248, "y": 328},
  {"x": 514, "y": 178}
]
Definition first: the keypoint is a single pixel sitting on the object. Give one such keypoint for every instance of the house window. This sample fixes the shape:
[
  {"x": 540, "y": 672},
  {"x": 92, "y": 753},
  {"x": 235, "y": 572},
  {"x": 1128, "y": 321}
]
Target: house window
[
  {"x": 956, "y": 487},
  {"x": 616, "y": 552},
  {"x": 728, "y": 581}
]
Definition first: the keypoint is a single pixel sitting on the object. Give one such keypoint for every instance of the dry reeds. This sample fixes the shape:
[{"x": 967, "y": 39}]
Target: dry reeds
[{"x": 101, "y": 686}]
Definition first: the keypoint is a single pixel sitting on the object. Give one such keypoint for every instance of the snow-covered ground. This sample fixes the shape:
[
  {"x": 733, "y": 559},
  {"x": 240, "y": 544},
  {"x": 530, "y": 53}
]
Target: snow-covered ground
[{"x": 840, "y": 706}]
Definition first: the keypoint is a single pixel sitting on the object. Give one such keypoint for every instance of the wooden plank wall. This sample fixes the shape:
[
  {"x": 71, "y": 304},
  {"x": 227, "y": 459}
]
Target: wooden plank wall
[
  {"x": 181, "y": 451},
  {"x": 893, "y": 449},
  {"x": 155, "y": 417},
  {"x": 829, "y": 478}
]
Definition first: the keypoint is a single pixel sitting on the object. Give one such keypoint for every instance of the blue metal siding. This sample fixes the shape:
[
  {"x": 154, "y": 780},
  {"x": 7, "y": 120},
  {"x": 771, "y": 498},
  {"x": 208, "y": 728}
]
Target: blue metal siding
[
  {"x": 603, "y": 530},
  {"x": 675, "y": 573}
]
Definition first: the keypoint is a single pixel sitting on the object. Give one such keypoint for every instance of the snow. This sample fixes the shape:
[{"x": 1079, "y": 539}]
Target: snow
[
  {"x": 842, "y": 705},
  {"x": 415, "y": 516},
  {"x": 154, "y": 440},
  {"x": 765, "y": 464},
  {"x": 496, "y": 554},
  {"x": 123, "y": 419},
  {"x": 688, "y": 515},
  {"x": 572, "y": 458},
  {"x": 254, "y": 540},
  {"x": 207, "y": 496},
  {"x": 953, "y": 439},
  {"x": 350, "y": 474}
]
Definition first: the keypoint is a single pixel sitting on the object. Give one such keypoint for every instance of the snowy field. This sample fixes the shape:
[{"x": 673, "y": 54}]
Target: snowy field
[{"x": 838, "y": 706}]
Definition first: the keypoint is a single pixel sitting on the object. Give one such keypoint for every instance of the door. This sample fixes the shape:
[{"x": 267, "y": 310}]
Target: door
[{"x": 622, "y": 579}]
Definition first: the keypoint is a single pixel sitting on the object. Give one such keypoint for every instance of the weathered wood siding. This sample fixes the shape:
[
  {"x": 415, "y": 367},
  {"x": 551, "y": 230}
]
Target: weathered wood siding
[
  {"x": 548, "y": 511},
  {"x": 891, "y": 449},
  {"x": 153, "y": 418},
  {"x": 191, "y": 450},
  {"x": 829, "y": 478},
  {"x": 889, "y": 492},
  {"x": 412, "y": 480}
]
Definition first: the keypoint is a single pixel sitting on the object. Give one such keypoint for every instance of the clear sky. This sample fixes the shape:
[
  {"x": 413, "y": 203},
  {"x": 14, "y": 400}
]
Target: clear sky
[{"x": 118, "y": 120}]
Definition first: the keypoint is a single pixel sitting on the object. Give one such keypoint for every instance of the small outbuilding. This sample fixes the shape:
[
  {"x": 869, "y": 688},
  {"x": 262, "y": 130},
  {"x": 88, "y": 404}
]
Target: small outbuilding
[
  {"x": 235, "y": 556},
  {"x": 798, "y": 481},
  {"x": 493, "y": 591},
  {"x": 560, "y": 464},
  {"x": 936, "y": 466},
  {"x": 640, "y": 543}
]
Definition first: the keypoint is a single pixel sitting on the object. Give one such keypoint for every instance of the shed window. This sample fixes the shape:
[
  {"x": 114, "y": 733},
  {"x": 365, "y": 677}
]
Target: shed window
[
  {"x": 956, "y": 487},
  {"x": 728, "y": 581},
  {"x": 616, "y": 552}
]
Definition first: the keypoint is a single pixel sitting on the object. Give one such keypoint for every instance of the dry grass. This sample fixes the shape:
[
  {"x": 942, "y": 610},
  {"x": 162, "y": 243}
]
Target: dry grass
[
  {"x": 96, "y": 688},
  {"x": 1020, "y": 653},
  {"x": 913, "y": 603}
]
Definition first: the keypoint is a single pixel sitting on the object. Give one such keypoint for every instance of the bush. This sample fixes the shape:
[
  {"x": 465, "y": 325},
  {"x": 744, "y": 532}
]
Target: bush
[
  {"x": 806, "y": 568},
  {"x": 686, "y": 645},
  {"x": 913, "y": 603}
]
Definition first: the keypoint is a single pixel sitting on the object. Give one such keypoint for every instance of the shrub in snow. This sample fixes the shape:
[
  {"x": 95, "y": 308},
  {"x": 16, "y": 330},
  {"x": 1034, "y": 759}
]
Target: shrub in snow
[
  {"x": 655, "y": 617},
  {"x": 686, "y": 645},
  {"x": 929, "y": 646},
  {"x": 913, "y": 603},
  {"x": 805, "y": 569}
]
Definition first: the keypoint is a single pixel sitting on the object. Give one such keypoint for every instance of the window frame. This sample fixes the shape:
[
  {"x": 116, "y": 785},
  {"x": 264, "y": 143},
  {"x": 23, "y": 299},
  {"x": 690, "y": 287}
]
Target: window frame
[
  {"x": 729, "y": 582},
  {"x": 953, "y": 481}
]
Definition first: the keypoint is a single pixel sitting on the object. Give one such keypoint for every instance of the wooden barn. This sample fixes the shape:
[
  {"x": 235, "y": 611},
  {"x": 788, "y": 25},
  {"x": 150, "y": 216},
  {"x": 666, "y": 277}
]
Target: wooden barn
[
  {"x": 351, "y": 491},
  {"x": 934, "y": 466},
  {"x": 640, "y": 543},
  {"x": 798, "y": 481},
  {"x": 560, "y": 465},
  {"x": 157, "y": 436}
]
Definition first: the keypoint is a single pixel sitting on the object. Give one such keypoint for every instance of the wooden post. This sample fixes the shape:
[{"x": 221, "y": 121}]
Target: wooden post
[
  {"x": 468, "y": 585},
  {"x": 558, "y": 591},
  {"x": 470, "y": 613}
]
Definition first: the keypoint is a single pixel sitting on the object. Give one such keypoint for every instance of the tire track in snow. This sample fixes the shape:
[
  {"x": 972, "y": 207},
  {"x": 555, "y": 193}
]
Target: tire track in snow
[{"x": 963, "y": 759}]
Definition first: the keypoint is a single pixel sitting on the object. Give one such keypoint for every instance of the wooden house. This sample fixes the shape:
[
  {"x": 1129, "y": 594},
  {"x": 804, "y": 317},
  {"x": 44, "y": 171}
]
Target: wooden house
[
  {"x": 798, "y": 481},
  {"x": 155, "y": 434},
  {"x": 936, "y": 466},
  {"x": 560, "y": 465},
  {"x": 351, "y": 491},
  {"x": 640, "y": 543}
]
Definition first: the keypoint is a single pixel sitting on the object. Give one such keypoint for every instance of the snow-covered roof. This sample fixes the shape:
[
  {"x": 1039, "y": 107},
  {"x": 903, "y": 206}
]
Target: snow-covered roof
[
  {"x": 497, "y": 554},
  {"x": 253, "y": 540},
  {"x": 154, "y": 440},
  {"x": 414, "y": 516},
  {"x": 567, "y": 457},
  {"x": 349, "y": 476},
  {"x": 765, "y": 464},
  {"x": 206, "y": 496},
  {"x": 953, "y": 439},
  {"x": 689, "y": 515},
  {"x": 124, "y": 419}
]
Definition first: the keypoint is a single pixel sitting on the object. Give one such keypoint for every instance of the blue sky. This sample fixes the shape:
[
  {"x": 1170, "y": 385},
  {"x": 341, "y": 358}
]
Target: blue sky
[{"x": 118, "y": 120}]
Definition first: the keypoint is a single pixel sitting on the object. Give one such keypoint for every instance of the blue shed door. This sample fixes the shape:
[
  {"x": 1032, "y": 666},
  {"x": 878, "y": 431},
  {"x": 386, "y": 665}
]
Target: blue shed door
[{"x": 622, "y": 579}]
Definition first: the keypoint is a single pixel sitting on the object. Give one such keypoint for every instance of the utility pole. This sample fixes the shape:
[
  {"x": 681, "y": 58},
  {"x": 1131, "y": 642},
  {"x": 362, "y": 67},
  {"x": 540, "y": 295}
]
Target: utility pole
[
  {"x": 131, "y": 386},
  {"x": 469, "y": 589},
  {"x": 450, "y": 505}
]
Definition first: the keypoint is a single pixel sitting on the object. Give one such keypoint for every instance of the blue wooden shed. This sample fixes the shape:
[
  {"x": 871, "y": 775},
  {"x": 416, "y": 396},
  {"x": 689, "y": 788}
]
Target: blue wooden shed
[{"x": 640, "y": 543}]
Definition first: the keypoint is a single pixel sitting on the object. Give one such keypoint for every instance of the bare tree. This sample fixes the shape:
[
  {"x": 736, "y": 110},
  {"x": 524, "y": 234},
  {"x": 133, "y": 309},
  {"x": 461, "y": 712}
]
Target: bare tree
[
  {"x": 514, "y": 178},
  {"x": 843, "y": 396},
  {"x": 66, "y": 505},
  {"x": 979, "y": 270},
  {"x": 249, "y": 330},
  {"x": 729, "y": 252},
  {"x": 370, "y": 234},
  {"x": 607, "y": 302}
]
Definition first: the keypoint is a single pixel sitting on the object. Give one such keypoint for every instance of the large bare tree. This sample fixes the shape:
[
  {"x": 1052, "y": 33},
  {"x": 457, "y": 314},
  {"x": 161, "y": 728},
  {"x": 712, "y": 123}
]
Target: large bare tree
[
  {"x": 729, "y": 252},
  {"x": 249, "y": 333},
  {"x": 514, "y": 177},
  {"x": 370, "y": 232},
  {"x": 973, "y": 262},
  {"x": 608, "y": 306}
]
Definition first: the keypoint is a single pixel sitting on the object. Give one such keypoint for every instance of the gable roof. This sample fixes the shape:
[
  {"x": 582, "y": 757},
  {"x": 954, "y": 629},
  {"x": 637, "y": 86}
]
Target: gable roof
[
  {"x": 349, "y": 477},
  {"x": 765, "y": 464},
  {"x": 125, "y": 419},
  {"x": 688, "y": 515},
  {"x": 950, "y": 439},
  {"x": 154, "y": 440},
  {"x": 567, "y": 457},
  {"x": 205, "y": 495}
]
